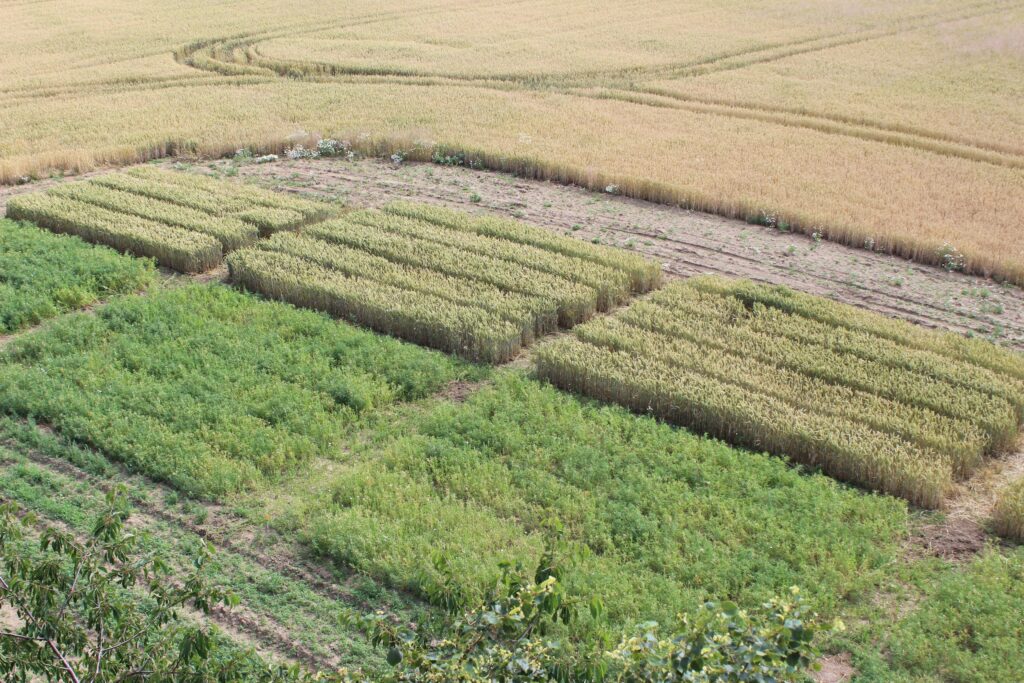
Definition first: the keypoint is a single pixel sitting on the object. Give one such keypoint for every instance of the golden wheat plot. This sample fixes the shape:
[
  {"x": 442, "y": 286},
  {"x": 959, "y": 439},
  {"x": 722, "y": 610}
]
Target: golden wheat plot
[
  {"x": 893, "y": 125},
  {"x": 869, "y": 400},
  {"x": 184, "y": 221},
  {"x": 439, "y": 278}
]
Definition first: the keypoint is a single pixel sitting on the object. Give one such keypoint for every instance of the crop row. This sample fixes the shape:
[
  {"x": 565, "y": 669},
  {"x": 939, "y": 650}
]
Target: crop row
[
  {"x": 576, "y": 302},
  {"x": 959, "y": 441},
  {"x": 467, "y": 330},
  {"x": 685, "y": 312},
  {"x": 175, "y": 247},
  {"x": 534, "y": 315},
  {"x": 644, "y": 274},
  {"x": 479, "y": 296},
  {"x": 230, "y": 232},
  {"x": 842, "y": 448},
  {"x": 1008, "y": 513},
  {"x": 975, "y": 351},
  {"x": 228, "y": 197},
  {"x": 168, "y": 215},
  {"x": 904, "y": 423},
  {"x": 612, "y": 286}
]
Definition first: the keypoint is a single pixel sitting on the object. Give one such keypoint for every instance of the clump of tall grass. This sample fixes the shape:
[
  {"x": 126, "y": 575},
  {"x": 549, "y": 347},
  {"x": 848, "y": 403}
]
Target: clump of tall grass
[{"x": 1008, "y": 513}]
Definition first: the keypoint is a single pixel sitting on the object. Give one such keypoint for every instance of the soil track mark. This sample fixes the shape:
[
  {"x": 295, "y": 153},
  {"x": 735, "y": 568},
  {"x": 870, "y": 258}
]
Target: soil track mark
[{"x": 686, "y": 242}]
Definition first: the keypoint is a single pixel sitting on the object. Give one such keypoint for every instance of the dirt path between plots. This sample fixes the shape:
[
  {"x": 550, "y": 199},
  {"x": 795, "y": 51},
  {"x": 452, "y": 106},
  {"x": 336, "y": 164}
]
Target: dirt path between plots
[{"x": 686, "y": 242}]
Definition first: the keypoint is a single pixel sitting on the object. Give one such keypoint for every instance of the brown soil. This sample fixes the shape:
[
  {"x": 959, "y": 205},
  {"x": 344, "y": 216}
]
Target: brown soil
[
  {"x": 686, "y": 242},
  {"x": 835, "y": 669},
  {"x": 459, "y": 390}
]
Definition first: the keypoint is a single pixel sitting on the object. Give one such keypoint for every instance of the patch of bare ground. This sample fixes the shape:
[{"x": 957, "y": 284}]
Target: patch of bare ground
[
  {"x": 686, "y": 242},
  {"x": 458, "y": 391},
  {"x": 961, "y": 532},
  {"x": 835, "y": 669}
]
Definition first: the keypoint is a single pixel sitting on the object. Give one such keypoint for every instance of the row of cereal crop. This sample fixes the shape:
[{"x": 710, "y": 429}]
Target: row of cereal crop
[
  {"x": 483, "y": 297},
  {"x": 1008, "y": 513},
  {"x": 644, "y": 274},
  {"x": 429, "y": 320},
  {"x": 178, "y": 248},
  {"x": 685, "y": 311},
  {"x": 693, "y": 353},
  {"x": 185, "y": 221},
  {"x": 278, "y": 210},
  {"x": 975, "y": 351},
  {"x": 842, "y": 448}
]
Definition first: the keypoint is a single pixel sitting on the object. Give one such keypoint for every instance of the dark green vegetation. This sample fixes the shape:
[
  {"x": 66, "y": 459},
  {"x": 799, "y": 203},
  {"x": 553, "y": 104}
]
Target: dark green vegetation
[
  {"x": 867, "y": 399},
  {"x": 209, "y": 389},
  {"x": 184, "y": 221},
  {"x": 479, "y": 287},
  {"x": 43, "y": 275},
  {"x": 70, "y": 497},
  {"x": 949, "y": 623},
  {"x": 661, "y": 519}
]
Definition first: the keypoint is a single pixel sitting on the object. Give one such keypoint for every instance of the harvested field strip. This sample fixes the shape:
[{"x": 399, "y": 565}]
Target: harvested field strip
[
  {"x": 480, "y": 296},
  {"x": 1008, "y": 514},
  {"x": 43, "y": 274},
  {"x": 576, "y": 302},
  {"x": 207, "y": 389},
  {"x": 230, "y": 232},
  {"x": 769, "y": 379},
  {"x": 178, "y": 248},
  {"x": 956, "y": 347},
  {"x": 469, "y": 331},
  {"x": 644, "y": 274}
]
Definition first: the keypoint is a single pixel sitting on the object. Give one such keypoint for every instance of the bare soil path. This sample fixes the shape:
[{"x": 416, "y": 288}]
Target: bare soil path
[{"x": 686, "y": 242}]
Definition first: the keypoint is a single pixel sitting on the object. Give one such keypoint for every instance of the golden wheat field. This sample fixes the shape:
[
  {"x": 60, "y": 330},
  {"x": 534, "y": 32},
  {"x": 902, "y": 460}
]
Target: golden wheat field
[{"x": 896, "y": 125}]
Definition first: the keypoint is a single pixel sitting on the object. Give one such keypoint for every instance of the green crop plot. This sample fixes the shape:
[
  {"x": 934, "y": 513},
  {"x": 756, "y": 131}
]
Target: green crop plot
[
  {"x": 479, "y": 287},
  {"x": 868, "y": 400},
  {"x": 43, "y": 275},
  {"x": 660, "y": 518},
  {"x": 209, "y": 389}
]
